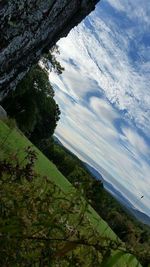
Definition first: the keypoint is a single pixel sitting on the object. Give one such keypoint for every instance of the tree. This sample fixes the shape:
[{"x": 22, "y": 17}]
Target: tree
[
  {"x": 33, "y": 106},
  {"x": 50, "y": 62}
]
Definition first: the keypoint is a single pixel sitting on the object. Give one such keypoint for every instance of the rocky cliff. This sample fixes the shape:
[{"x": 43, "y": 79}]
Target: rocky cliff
[{"x": 28, "y": 28}]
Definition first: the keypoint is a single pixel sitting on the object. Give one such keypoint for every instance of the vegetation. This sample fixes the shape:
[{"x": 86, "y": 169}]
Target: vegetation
[
  {"x": 134, "y": 234},
  {"x": 33, "y": 106},
  {"x": 32, "y": 103},
  {"x": 50, "y": 62},
  {"x": 35, "y": 216},
  {"x": 44, "y": 220}
]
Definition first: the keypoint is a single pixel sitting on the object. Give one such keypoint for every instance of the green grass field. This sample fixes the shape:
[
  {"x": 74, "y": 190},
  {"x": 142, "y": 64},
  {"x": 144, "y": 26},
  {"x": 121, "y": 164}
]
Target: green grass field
[{"x": 11, "y": 140}]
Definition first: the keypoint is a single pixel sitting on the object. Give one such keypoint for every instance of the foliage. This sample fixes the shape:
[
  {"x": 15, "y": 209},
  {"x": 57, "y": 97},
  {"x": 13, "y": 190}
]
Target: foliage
[
  {"x": 33, "y": 106},
  {"x": 36, "y": 225},
  {"x": 50, "y": 62},
  {"x": 49, "y": 222},
  {"x": 30, "y": 214},
  {"x": 135, "y": 235}
]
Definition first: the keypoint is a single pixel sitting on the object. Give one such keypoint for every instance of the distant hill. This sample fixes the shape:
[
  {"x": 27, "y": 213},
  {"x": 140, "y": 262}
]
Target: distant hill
[
  {"x": 94, "y": 172},
  {"x": 110, "y": 188},
  {"x": 57, "y": 141},
  {"x": 117, "y": 194},
  {"x": 141, "y": 216}
]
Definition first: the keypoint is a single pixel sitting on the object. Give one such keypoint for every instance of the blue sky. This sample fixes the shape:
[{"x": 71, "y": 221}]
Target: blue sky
[{"x": 104, "y": 94}]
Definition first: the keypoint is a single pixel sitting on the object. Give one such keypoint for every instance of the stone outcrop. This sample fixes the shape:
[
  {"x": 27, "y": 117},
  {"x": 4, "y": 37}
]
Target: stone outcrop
[
  {"x": 28, "y": 28},
  {"x": 3, "y": 113}
]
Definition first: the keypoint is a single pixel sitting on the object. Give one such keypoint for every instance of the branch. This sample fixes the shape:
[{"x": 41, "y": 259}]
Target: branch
[{"x": 83, "y": 242}]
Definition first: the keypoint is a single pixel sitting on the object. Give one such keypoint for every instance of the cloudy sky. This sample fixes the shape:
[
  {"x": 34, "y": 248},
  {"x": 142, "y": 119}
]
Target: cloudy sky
[{"x": 104, "y": 95}]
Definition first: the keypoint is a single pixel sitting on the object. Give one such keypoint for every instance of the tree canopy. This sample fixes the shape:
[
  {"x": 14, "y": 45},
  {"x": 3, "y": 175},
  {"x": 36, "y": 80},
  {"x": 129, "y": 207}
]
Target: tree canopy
[{"x": 33, "y": 106}]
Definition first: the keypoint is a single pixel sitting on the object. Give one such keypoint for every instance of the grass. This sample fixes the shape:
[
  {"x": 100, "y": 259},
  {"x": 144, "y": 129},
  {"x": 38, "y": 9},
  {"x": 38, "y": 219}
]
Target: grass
[{"x": 11, "y": 140}]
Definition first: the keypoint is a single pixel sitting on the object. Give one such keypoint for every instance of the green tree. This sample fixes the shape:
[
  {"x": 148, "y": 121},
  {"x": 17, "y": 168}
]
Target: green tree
[
  {"x": 50, "y": 62},
  {"x": 33, "y": 106}
]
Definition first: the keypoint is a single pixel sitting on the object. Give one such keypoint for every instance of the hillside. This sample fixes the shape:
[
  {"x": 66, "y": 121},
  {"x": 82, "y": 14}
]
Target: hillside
[{"x": 12, "y": 141}]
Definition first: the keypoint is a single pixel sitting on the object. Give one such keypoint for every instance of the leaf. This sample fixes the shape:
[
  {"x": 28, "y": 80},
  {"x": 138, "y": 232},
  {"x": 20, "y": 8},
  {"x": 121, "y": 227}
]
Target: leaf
[
  {"x": 131, "y": 258},
  {"x": 113, "y": 259}
]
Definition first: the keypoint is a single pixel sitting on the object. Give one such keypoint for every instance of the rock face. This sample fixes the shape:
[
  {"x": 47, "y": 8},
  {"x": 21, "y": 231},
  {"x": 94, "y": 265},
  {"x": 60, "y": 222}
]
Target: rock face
[
  {"x": 28, "y": 28},
  {"x": 3, "y": 113}
]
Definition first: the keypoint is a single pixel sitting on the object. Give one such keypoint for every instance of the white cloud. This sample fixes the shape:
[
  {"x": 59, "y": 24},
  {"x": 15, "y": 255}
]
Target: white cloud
[
  {"x": 103, "y": 62},
  {"x": 103, "y": 110},
  {"x": 100, "y": 141},
  {"x": 136, "y": 141},
  {"x": 97, "y": 62},
  {"x": 135, "y": 10},
  {"x": 117, "y": 4}
]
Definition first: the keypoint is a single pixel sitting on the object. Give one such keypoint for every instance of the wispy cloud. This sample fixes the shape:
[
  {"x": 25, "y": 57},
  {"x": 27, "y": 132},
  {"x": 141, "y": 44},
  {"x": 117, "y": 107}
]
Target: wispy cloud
[
  {"x": 135, "y": 10},
  {"x": 104, "y": 95}
]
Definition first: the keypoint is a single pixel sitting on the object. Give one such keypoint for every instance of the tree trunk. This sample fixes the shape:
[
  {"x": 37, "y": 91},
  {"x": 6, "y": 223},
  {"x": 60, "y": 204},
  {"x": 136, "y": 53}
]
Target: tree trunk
[{"x": 28, "y": 28}]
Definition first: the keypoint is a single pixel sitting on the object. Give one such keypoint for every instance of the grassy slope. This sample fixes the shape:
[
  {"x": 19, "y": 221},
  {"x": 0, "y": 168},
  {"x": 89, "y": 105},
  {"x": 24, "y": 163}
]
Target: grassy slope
[{"x": 15, "y": 141}]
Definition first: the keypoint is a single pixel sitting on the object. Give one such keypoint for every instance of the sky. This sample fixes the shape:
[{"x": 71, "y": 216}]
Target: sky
[{"x": 104, "y": 95}]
